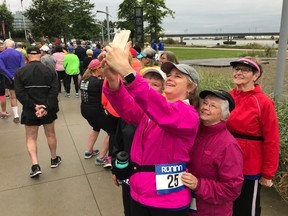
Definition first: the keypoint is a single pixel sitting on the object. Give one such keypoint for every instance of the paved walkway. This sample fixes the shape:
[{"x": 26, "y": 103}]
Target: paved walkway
[{"x": 77, "y": 187}]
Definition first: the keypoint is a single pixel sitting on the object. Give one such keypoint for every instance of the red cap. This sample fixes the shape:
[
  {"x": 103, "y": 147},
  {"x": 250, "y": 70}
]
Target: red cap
[
  {"x": 133, "y": 52},
  {"x": 94, "y": 64}
]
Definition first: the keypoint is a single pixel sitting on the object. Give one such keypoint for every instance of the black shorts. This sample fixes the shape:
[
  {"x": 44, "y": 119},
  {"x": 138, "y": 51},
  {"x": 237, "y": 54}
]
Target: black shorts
[
  {"x": 98, "y": 119},
  {"x": 9, "y": 85},
  {"x": 29, "y": 118},
  {"x": 2, "y": 85}
]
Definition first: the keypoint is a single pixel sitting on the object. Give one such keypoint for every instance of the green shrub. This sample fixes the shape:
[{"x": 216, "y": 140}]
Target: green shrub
[
  {"x": 281, "y": 179},
  {"x": 267, "y": 51},
  {"x": 211, "y": 80}
]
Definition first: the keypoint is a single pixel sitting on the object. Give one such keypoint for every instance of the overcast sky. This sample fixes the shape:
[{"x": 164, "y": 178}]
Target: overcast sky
[{"x": 203, "y": 16}]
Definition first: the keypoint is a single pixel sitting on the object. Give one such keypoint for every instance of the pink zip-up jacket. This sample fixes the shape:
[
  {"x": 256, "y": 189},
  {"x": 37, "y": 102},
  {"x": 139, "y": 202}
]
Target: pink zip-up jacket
[
  {"x": 217, "y": 162},
  {"x": 59, "y": 56},
  {"x": 165, "y": 134}
]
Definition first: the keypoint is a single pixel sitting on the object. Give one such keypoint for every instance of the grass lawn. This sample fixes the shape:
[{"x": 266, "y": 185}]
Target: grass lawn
[{"x": 204, "y": 53}]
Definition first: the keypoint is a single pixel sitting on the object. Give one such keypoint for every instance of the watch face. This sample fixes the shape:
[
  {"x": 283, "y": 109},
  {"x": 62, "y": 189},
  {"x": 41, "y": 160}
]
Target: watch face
[{"x": 129, "y": 78}]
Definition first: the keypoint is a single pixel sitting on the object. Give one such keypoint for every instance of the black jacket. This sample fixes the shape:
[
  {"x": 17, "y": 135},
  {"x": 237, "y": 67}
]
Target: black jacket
[{"x": 37, "y": 84}]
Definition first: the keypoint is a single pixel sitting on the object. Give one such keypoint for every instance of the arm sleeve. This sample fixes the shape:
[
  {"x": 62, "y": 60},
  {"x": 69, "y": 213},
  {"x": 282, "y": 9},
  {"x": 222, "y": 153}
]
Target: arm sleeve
[
  {"x": 176, "y": 117},
  {"x": 123, "y": 104},
  {"x": 21, "y": 94},
  {"x": 229, "y": 183},
  {"x": 271, "y": 144}
]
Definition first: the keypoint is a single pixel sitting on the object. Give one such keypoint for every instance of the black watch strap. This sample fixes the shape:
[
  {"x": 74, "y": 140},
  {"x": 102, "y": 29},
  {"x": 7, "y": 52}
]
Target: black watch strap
[{"x": 129, "y": 78}]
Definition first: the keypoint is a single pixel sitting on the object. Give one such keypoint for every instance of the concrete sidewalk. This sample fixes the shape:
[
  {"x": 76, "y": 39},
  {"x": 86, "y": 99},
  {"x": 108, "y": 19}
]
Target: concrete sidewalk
[{"x": 77, "y": 187}]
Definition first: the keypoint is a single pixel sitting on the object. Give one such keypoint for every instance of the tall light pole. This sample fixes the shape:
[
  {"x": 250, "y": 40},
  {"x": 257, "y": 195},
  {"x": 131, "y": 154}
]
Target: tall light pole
[
  {"x": 98, "y": 22},
  {"x": 281, "y": 56},
  {"x": 107, "y": 19}
]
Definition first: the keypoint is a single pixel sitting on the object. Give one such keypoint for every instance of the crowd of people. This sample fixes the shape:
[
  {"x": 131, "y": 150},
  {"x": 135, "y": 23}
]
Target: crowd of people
[{"x": 188, "y": 153}]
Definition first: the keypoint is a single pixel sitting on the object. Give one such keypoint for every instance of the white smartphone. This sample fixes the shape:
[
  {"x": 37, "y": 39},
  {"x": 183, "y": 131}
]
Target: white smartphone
[{"x": 121, "y": 38}]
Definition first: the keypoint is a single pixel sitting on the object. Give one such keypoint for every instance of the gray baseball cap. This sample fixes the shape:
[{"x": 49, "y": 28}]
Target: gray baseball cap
[{"x": 186, "y": 69}]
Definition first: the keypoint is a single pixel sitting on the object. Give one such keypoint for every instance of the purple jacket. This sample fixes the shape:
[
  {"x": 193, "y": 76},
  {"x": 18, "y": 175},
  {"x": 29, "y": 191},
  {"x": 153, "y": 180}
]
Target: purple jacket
[
  {"x": 12, "y": 59},
  {"x": 165, "y": 134},
  {"x": 216, "y": 160}
]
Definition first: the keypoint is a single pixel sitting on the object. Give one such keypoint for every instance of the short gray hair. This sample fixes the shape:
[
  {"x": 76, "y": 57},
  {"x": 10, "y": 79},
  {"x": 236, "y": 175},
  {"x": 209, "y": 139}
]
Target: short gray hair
[
  {"x": 225, "y": 109},
  {"x": 9, "y": 43}
]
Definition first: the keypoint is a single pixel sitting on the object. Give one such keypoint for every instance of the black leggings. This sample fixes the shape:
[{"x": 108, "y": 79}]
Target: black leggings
[
  {"x": 67, "y": 82},
  {"x": 61, "y": 75},
  {"x": 249, "y": 197},
  {"x": 138, "y": 209}
]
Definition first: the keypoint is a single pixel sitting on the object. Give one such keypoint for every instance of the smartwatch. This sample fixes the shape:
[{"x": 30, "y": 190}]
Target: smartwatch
[{"x": 129, "y": 78}]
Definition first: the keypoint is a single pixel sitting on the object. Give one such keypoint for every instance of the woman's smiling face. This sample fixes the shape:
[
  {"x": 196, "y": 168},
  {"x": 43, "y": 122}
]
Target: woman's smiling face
[{"x": 177, "y": 85}]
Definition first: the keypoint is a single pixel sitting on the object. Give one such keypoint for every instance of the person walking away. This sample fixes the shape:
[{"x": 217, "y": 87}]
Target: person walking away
[
  {"x": 3, "y": 78},
  {"x": 59, "y": 56},
  {"x": 12, "y": 59},
  {"x": 160, "y": 47},
  {"x": 215, "y": 170},
  {"x": 20, "y": 47},
  {"x": 254, "y": 124},
  {"x": 96, "y": 50},
  {"x": 92, "y": 109},
  {"x": 71, "y": 65},
  {"x": 87, "y": 59},
  {"x": 46, "y": 58},
  {"x": 36, "y": 88},
  {"x": 80, "y": 52}
]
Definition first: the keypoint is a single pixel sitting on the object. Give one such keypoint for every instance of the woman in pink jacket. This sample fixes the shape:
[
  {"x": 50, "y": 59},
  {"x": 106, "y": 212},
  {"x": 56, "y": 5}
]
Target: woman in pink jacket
[
  {"x": 59, "y": 56},
  {"x": 166, "y": 129},
  {"x": 216, "y": 163}
]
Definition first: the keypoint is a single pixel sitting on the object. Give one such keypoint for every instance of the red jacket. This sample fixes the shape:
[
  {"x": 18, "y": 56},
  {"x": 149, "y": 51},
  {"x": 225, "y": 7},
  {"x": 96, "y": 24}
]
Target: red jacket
[{"x": 254, "y": 115}]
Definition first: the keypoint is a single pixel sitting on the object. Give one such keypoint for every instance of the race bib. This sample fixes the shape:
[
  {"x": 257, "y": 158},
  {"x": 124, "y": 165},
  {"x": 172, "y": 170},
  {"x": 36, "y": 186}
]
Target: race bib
[{"x": 168, "y": 177}]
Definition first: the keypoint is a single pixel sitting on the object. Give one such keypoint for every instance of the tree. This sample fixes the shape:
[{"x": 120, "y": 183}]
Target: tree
[
  {"x": 49, "y": 17},
  {"x": 7, "y": 17},
  {"x": 83, "y": 23},
  {"x": 154, "y": 13},
  {"x": 62, "y": 18},
  {"x": 126, "y": 13}
]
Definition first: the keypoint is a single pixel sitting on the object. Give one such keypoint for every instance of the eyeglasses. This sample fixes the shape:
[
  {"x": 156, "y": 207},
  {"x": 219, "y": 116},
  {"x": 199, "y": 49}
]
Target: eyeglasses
[
  {"x": 244, "y": 70},
  {"x": 211, "y": 106}
]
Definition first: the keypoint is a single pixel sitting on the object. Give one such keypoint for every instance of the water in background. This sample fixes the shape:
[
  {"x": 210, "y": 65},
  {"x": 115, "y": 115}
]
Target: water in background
[{"x": 212, "y": 43}]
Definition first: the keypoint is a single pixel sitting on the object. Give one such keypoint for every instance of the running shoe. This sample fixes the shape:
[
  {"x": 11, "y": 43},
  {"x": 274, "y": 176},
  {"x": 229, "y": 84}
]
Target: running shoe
[
  {"x": 67, "y": 95},
  {"x": 88, "y": 154},
  {"x": 36, "y": 170},
  {"x": 55, "y": 162},
  {"x": 16, "y": 120},
  {"x": 100, "y": 161},
  {"x": 108, "y": 163},
  {"x": 77, "y": 95},
  {"x": 4, "y": 115}
]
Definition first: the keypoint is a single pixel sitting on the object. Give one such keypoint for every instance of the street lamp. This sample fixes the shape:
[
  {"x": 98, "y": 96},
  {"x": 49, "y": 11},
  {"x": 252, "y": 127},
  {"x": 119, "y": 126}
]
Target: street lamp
[
  {"x": 107, "y": 19},
  {"x": 102, "y": 31}
]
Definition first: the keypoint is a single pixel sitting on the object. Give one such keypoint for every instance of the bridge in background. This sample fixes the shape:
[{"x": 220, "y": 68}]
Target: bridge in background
[{"x": 228, "y": 35}]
